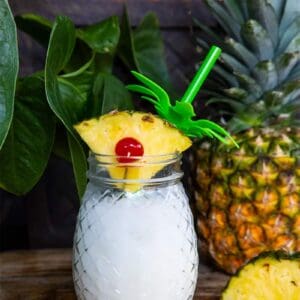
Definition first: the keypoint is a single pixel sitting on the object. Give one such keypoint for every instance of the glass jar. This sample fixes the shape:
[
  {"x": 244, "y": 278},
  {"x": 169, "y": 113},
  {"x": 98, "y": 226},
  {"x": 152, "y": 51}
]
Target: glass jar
[{"x": 135, "y": 237}]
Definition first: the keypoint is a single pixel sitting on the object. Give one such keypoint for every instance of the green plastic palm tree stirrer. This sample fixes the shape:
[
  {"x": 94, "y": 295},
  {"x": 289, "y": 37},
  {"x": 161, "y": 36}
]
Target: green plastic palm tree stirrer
[{"x": 182, "y": 113}]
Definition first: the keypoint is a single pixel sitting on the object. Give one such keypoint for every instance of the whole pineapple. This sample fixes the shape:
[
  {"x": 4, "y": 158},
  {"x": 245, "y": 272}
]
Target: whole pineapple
[{"x": 248, "y": 199}]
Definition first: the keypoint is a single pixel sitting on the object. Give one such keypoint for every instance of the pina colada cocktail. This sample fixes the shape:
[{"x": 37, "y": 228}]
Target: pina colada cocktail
[
  {"x": 135, "y": 245},
  {"x": 135, "y": 237}
]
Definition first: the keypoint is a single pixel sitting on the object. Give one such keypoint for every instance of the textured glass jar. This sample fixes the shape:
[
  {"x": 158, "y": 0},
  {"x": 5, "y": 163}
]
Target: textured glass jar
[{"x": 135, "y": 239}]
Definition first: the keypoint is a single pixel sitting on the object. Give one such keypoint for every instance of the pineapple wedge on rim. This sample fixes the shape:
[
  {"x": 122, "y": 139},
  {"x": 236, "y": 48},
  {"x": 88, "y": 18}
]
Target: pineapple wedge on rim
[{"x": 156, "y": 136}]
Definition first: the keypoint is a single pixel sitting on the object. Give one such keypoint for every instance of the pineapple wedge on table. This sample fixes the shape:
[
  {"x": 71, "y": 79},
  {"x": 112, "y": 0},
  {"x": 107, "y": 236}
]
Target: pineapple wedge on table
[
  {"x": 154, "y": 135},
  {"x": 248, "y": 199},
  {"x": 271, "y": 276}
]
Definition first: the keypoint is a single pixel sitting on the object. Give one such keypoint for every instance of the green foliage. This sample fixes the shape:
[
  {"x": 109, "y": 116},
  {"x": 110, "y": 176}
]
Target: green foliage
[
  {"x": 77, "y": 83},
  {"x": 63, "y": 97},
  {"x": 9, "y": 64},
  {"x": 106, "y": 93},
  {"x": 24, "y": 155},
  {"x": 78, "y": 158},
  {"x": 141, "y": 49},
  {"x": 102, "y": 37},
  {"x": 37, "y": 27}
]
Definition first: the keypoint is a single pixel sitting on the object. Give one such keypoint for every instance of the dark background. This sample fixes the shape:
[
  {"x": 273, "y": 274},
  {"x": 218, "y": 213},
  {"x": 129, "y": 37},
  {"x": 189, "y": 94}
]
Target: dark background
[{"x": 45, "y": 218}]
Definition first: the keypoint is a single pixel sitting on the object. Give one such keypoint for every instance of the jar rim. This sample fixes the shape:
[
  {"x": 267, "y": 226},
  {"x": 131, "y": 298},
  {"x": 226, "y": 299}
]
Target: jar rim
[
  {"x": 116, "y": 160},
  {"x": 175, "y": 177},
  {"x": 148, "y": 170}
]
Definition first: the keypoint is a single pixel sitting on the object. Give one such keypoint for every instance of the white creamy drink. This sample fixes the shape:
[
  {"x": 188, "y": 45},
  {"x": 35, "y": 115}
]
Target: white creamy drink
[{"x": 134, "y": 246}]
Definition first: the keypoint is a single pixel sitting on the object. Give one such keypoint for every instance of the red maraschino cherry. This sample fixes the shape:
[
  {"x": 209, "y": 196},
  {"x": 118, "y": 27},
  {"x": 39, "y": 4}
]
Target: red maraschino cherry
[{"x": 128, "y": 147}]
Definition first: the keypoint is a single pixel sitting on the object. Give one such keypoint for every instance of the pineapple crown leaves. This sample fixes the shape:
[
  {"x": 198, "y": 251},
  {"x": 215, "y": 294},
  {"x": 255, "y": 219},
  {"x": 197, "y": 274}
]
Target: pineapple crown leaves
[
  {"x": 180, "y": 114},
  {"x": 259, "y": 70}
]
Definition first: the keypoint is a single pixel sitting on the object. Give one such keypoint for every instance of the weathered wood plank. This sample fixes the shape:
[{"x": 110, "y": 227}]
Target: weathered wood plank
[
  {"x": 36, "y": 275},
  {"x": 172, "y": 13},
  {"x": 47, "y": 274}
]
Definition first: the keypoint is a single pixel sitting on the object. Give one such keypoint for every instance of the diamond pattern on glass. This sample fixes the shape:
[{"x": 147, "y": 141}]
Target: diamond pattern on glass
[{"x": 135, "y": 246}]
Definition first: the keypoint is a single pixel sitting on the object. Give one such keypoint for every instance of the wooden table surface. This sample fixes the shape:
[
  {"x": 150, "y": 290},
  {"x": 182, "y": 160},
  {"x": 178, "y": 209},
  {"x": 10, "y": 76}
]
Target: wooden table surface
[{"x": 47, "y": 274}]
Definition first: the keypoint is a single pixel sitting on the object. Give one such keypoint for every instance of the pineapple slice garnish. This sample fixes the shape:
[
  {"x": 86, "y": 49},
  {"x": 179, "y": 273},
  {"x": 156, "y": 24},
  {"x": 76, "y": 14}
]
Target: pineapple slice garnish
[
  {"x": 273, "y": 275},
  {"x": 156, "y": 136}
]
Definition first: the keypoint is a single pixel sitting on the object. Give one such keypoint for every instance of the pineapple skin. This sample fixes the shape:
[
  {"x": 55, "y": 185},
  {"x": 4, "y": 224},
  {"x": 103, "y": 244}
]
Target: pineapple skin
[
  {"x": 273, "y": 276},
  {"x": 248, "y": 199}
]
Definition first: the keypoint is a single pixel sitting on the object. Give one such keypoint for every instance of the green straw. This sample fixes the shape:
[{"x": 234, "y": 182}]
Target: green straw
[{"x": 201, "y": 74}]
